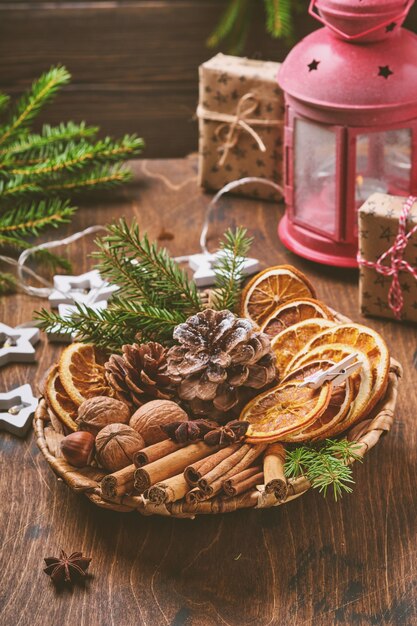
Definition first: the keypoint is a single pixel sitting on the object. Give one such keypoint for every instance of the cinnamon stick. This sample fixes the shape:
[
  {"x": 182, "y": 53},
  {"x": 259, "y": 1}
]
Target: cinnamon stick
[
  {"x": 155, "y": 452},
  {"x": 237, "y": 484},
  {"x": 197, "y": 470},
  {"x": 251, "y": 455},
  {"x": 170, "y": 490},
  {"x": 194, "y": 495},
  {"x": 118, "y": 483},
  {"x": 274, "y": 476},
  {"x": 222, "y": 468},
  {"x": 170, "y": 465}
]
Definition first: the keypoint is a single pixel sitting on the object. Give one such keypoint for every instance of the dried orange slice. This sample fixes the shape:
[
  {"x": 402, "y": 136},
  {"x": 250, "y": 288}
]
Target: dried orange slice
[
  {"x": 81, "y": 372},
  {"x": 292, "y": 312},
  {"x": 271, "y": 288},
  {"x": 362, "y": 381},
  {"x": 293, "y": 339},
  {"x": 339, "y": 405},
  {"x": 284, "y": 410},
  {"x": 366, "y": 340},
  {"x": 58, "y": 399}
]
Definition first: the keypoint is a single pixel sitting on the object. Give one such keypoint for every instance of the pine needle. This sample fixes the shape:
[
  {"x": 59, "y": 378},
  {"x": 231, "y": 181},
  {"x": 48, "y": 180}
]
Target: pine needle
[
  {"x": 229, "y": 269},
  {"x": 32, "y": 102},
  {"x": 326, "y": 465}
]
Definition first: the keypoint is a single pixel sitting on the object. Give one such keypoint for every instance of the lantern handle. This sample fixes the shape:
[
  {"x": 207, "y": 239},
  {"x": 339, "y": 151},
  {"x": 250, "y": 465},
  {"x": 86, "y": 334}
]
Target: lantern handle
[{"x": 344, "y": 35}]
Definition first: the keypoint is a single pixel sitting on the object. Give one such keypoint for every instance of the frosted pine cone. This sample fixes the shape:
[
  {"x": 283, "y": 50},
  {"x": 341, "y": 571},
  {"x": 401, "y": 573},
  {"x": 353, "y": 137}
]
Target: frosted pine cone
[
  {"x": 220, "y": 358},
  {"x": 140, "y": 374}
]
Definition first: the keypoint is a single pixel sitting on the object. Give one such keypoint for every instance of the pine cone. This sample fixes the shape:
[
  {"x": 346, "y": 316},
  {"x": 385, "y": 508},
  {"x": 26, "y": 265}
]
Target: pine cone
[
  {"x": 139, "y": 374},
  {"x": 220, "y": 358}
]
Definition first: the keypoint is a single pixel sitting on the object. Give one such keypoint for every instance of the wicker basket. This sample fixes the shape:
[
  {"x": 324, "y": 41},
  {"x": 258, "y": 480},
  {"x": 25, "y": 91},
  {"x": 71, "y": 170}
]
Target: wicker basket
[{"x": 87, "y": 480}]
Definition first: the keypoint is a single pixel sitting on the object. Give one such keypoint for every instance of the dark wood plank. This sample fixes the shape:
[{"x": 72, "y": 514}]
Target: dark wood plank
[
  {"x": 312, "y": 561},
  {"x": 134, "y": 64}
]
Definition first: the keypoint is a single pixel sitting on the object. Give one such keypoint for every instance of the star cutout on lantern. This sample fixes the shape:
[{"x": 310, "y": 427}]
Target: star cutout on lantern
[
  {"x": 390, "y": 27},
  {"x": 16, "y": 344},
  {"x": 203, "y": 264},
  {"x": 16, "y": 410},
  {"x": 86, "y": 288},
  {"x": 313, "y": 65},
  {"x": 367, "y": 295},
  {"x": 405, "y": 287},
  {"x": 385, "y": 71},
  {"x": 364, "y": 234}
]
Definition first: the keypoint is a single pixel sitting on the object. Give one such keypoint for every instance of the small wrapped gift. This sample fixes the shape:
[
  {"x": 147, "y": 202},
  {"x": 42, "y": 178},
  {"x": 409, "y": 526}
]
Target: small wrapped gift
[
  {"x": 241, "y": 113},
  {"x": 388, "y": 257}
]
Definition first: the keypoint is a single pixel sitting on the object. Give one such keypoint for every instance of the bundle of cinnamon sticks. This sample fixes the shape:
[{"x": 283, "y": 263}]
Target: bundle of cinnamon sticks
[{"x": 167, "y": 472}]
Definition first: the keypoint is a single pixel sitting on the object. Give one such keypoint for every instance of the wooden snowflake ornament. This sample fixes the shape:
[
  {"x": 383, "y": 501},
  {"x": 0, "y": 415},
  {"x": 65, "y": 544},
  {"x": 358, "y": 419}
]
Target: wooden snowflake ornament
[
  {"x": 16, "y": 410},
  {"x": 16, "y": 344},
  {"x": 86, "y": 288}
]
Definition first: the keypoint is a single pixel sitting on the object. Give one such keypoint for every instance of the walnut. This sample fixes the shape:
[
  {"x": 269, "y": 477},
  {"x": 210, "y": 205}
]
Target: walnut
[
  {"x": 149, "y": 418},
  {"x": 116, "y": 445},
  {"x": 96, "y": 413}
]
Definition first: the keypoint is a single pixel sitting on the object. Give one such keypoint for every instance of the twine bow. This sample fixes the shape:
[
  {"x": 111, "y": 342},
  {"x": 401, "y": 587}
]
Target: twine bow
[
  {"x": 232, "y": 125},
  {"x": 398, "y": 263}
]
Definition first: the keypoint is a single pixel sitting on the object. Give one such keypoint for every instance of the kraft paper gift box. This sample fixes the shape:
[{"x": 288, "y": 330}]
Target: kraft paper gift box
[
  {"x": 241, "y": 123},
  {"x": 378, "y": 228}
]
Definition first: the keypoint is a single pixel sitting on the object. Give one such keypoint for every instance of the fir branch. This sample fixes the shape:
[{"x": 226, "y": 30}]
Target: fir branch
[
  {"x": 164, "y": 281},
  {"x": 229, "y": 269},
  {"x": 30, "y": 220},
  {"x": 8, "y": 283},
  {"x": 278, "y": 18},
  {"x": 4, "y": 100},
  {"x": 32, "y": 102},
  {"x": 113, "y": 327},
  {"x": 51, "y": 141},
  {"x": 78, "y": 156},
  {"x": 227, "y": 22},
  {"x": 325, "y": 465}
]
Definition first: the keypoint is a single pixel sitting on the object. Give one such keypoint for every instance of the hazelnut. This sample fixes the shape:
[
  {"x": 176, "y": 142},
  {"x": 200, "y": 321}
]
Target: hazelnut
[
  {"x": 116, "y": 445},
  {"x": 96, "y": 413},
  {"x": 78, "y": 448},
  {"x": 149, "y": 418}
]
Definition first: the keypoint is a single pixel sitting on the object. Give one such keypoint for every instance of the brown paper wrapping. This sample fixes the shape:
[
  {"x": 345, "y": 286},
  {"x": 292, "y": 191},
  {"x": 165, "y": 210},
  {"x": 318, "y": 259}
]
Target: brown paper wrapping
[
  {"x": 224, "y": 80},
  {"x": 378, "y": 227}
]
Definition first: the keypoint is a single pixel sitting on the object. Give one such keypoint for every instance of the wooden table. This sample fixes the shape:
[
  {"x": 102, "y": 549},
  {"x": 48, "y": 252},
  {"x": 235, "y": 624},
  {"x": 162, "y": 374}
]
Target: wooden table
[{"x": 312, "y": 561}]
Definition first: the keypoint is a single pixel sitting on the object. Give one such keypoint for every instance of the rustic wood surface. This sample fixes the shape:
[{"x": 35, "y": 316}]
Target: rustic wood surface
[
  {"x": 134, "y": 62},
  {"x": 312, "y": 561}
]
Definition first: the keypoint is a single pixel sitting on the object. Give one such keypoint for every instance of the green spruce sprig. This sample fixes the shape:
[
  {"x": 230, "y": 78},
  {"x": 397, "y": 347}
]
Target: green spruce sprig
[
  {"x": 154, "y": 295},
  {"x": 41, "y": 171},
  {"x": 326, "y": 465},
  {"x": 229, "y": 269},
  {"x": 237, "y": 18}
]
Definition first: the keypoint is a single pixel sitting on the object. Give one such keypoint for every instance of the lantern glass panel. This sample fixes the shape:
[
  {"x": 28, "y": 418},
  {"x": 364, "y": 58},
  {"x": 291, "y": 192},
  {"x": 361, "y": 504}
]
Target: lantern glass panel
[
  {"x": 315, "y": 176},
  {"x": 383, "y": 163}
]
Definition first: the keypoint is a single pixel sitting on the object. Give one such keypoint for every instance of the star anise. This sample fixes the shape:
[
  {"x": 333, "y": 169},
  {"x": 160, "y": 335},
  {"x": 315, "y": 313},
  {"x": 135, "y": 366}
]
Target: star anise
[
  {"x": 232, "y": 432},
  {"x": 66, "y": 568},
  {"x": 186, "y": 432}
]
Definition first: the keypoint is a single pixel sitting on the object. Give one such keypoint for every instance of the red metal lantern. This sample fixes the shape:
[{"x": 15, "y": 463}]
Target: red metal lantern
[{"x": 351, "y": 123}]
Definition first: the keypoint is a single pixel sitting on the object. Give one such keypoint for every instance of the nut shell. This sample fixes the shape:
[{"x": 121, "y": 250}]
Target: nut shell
[
  {"x": 78, "y": 448},
  {"x": 116, "y": 445},
  {"x": 149, "y": 418},
  {"x": 96, "y": 413}
]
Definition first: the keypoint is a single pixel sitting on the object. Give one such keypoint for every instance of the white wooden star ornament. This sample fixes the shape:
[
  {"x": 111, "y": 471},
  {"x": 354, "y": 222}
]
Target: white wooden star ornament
[
  {"x": 16, "y": 410},
  {"x": 203, "y": 265},
  {"x": 87, "y": 288},
  {"x": 17, "y": 344}
]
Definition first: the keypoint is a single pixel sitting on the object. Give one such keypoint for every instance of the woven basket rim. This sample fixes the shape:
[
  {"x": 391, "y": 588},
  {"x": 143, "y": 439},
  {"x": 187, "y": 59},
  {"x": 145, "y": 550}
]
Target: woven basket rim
[{"x": 87, "y": 481}]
